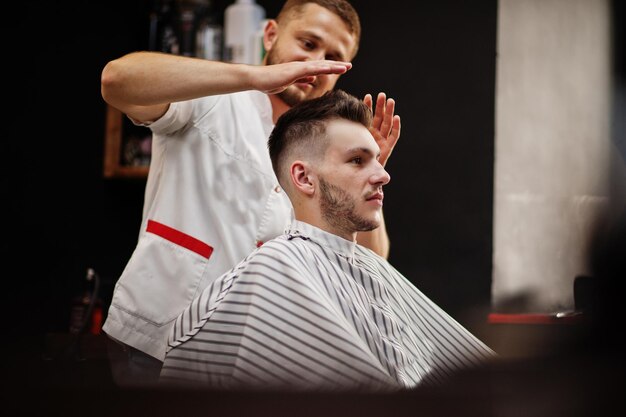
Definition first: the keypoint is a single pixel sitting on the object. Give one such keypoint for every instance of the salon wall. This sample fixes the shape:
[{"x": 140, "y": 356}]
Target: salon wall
[
  {"x": 554, "y": 157},
  {"x": 437, "y": 59}
]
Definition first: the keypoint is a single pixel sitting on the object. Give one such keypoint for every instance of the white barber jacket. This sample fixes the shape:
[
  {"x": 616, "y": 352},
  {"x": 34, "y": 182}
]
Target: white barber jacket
[{"x": 211, "y": 198}]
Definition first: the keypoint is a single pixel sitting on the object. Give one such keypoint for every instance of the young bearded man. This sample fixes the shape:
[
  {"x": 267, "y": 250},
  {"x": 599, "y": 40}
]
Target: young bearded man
[{"x": 313, "y": 309}]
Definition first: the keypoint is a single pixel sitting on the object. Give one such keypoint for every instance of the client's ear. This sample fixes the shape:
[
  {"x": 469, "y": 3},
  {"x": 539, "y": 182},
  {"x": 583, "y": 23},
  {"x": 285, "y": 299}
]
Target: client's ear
[{"x": 302, "y": 178}]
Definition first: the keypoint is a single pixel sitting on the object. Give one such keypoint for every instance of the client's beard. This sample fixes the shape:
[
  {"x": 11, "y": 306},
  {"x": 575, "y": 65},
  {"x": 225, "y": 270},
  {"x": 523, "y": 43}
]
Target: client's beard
[{"x": 338, "y": 210}]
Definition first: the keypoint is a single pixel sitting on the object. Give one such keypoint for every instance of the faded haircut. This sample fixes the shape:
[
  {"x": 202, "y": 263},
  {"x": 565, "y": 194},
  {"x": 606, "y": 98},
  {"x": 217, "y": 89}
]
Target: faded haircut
[
  {"x": 302, "y": 129},
  {"x": 342, "y": 8}
]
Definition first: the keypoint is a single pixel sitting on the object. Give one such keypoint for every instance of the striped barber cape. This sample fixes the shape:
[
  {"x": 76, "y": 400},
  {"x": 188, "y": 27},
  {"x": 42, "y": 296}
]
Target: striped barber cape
[{"x": 311, "y": 310}]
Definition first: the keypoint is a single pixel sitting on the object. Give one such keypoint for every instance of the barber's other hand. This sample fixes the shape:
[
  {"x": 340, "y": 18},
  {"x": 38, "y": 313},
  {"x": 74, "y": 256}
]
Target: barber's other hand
[
  {"x": 273, "y": 79},
  {"x": 385, "y": 125}
]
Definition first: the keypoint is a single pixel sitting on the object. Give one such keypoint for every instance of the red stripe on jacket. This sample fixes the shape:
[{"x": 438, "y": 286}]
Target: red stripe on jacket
[{"x": 180, "y": 238}]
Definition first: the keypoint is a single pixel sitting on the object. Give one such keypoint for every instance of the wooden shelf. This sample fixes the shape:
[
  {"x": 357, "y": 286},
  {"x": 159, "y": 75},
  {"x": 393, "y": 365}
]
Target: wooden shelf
[
  {"x": 113, "y": 167},
  {"x": 571, "y": 317}
]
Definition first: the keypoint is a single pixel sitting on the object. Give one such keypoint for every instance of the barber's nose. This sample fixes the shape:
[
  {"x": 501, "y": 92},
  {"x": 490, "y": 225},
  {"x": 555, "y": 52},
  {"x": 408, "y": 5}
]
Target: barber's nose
[{"x": 381, "y": 177}]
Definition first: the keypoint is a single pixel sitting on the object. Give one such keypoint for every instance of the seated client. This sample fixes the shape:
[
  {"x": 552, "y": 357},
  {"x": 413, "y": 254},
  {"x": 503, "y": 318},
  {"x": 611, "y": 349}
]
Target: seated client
[{"x": 311, "y": 309}]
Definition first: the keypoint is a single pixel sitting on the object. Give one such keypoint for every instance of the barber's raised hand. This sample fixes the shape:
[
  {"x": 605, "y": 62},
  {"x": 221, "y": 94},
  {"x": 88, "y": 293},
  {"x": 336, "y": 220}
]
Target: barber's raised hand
[
  {"x": 273, "y": 79},
  {"x": 385, "y": 125}
]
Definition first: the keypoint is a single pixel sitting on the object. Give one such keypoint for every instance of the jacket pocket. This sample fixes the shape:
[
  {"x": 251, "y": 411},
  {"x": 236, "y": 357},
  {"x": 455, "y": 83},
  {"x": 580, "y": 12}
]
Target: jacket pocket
[{"x": 162, "y": 275}]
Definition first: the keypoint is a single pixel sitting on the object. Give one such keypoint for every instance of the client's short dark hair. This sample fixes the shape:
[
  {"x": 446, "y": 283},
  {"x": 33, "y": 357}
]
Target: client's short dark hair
[{"x": 305, "y": 125}]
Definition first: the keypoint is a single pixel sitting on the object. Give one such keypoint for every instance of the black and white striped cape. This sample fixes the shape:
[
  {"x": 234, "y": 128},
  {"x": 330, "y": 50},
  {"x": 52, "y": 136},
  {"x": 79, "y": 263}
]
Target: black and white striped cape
[{"x": 310, "y": 310}]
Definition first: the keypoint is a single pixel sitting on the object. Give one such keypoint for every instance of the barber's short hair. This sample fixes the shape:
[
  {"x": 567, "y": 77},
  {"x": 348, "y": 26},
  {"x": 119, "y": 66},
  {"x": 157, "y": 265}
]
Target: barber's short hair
[
  {"x": 342, "y": 8},
  {"x": 303, "y": 127}
]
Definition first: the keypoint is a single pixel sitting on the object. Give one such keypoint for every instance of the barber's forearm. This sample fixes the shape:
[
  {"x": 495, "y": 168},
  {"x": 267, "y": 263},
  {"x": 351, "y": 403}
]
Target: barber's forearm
[
  {"x": 142, "y": 84},
  {"x": 153, "y": 80}
]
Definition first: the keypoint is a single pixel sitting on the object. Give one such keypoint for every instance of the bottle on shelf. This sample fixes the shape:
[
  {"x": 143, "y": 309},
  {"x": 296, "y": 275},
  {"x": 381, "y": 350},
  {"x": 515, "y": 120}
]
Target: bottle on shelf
[
  {"x": 258, "y": 48},
  {"x": 241, "y": 22},
  {"x": 187, "y": 30},
  {"x": 86, "y": 312},
  {"x": 164, "y": 36},
  {"x": 185, "y": 27},
  {"x": 209, "y": 35}
]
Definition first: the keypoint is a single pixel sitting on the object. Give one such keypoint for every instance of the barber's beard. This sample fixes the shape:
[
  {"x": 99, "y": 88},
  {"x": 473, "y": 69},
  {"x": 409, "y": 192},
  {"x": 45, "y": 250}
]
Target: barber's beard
[
  {"x": 291, "y": 95},
  {"x": 339, "y": 210}
]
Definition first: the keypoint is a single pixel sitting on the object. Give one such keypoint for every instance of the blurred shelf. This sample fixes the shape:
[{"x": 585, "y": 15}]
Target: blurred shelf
[
  {"x": 113, "y": 167},
  {"x": 536, "y": 318}
]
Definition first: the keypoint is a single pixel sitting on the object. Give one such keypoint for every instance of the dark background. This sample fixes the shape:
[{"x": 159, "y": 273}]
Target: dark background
[{"x": 60, "y": 216}]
